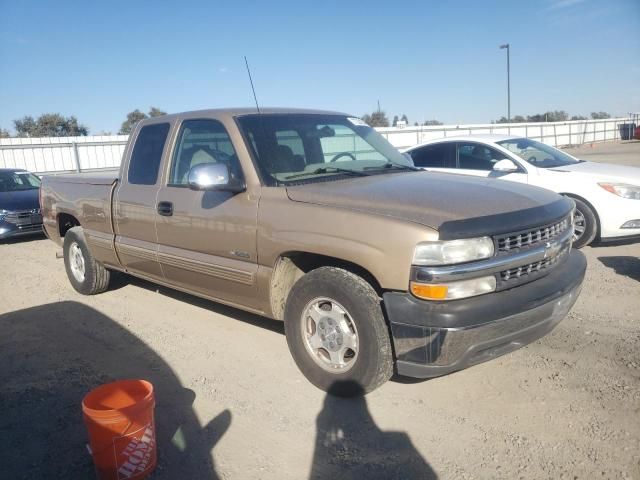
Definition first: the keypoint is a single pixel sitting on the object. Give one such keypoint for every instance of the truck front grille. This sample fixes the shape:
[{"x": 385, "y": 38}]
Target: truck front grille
[
  {"x": 527, "y": 238},
  {"x": 527, "y": 273},
  {"x": 24, "y": 217}
]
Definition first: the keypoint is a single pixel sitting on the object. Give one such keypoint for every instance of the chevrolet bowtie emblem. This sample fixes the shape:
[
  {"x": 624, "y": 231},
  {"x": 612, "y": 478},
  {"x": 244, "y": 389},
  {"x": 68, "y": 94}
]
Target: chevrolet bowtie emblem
[{"x": 551, "y": 249}]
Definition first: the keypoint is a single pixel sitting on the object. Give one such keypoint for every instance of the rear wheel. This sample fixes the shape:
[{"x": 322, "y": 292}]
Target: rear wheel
[
  {"x": 336, "y": 332},
  {"x": 85, "y": 274},
  {"x": 585, "y": 225}
]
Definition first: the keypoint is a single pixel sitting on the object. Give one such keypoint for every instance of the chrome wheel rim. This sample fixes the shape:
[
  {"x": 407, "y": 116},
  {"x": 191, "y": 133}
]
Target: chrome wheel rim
[
  {"x": 329, "y": 335},
  {"x": 579, "y": 225},
  {"x": 76, "y": 262}
]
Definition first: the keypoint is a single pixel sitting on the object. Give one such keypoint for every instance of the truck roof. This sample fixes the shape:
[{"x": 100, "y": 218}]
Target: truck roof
[{"x": 240, "y": 111}]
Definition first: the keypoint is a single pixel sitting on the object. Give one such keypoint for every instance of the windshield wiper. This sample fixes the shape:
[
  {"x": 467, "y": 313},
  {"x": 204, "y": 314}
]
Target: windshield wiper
[
  {"x": 320, "y": 170},
  {"x": 395, "y": 165}
]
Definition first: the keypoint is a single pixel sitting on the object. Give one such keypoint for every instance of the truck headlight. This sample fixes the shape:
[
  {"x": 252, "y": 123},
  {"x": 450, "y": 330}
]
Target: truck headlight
[
  {"x": 448, "y": 252},
  {"x": 454, "y": 290},
  {"x": 623, "y": 190}
]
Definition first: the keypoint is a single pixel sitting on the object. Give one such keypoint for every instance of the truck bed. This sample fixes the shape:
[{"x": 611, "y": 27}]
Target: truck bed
[{"x": 83, "y": 199}]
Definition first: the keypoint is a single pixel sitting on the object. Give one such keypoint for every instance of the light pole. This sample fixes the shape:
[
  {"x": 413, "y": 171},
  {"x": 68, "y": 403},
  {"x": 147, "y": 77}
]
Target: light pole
[{"x": 506, "y": 45}]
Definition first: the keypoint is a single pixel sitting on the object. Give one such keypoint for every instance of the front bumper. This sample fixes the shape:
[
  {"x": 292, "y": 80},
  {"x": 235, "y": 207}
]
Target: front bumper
[
  {"x": 437, "y": 338},
  {"x": 614, "y": 213},
  {"x": 9, "y": 230}
]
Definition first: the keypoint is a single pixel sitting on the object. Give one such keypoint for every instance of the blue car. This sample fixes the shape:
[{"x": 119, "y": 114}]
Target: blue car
[{"x": 19, "y": 203}]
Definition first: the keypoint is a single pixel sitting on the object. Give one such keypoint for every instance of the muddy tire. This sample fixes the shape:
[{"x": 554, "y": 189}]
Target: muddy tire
[
  {"x": 85, "y": 274},
  {"x": 337, "y": 333}
]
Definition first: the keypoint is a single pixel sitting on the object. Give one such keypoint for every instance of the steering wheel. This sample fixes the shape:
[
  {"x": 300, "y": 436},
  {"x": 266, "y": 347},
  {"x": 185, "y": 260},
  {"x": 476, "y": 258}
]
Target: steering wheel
[{"x": 343, "y": 154}]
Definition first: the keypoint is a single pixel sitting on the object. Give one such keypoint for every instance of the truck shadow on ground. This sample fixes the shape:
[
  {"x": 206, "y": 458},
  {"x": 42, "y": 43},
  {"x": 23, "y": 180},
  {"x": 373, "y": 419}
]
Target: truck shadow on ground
[
  {"x": 350, "y": 445},
  {"x": 627, "y": 266},
  {"x": 120, "y": 280},
  {"x": 51, "y": 356}
]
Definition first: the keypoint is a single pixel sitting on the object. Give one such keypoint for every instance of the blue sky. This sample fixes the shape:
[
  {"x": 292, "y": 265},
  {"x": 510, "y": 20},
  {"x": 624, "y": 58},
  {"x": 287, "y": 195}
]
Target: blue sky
[{"x": 427, "y": 59}]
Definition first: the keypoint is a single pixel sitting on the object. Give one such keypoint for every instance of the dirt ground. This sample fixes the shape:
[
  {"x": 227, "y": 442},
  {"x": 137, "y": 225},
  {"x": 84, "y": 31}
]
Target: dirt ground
[{"x": 232, "y": 404}]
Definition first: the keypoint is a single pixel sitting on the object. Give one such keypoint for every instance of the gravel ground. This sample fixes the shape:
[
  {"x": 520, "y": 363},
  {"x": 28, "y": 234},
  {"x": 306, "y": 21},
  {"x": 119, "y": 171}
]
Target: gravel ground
[{"x": 232, "y": 404}]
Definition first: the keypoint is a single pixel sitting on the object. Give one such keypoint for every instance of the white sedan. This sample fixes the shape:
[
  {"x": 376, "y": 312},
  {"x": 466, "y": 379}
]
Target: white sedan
[{"x": 607, "y": 196}]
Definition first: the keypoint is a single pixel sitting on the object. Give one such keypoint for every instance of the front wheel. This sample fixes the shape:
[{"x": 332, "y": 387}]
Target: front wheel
[
  {"x": 336, "y": 332},
  {"x": 85, "y": 274},
  {"x": 585, "y": 225}
]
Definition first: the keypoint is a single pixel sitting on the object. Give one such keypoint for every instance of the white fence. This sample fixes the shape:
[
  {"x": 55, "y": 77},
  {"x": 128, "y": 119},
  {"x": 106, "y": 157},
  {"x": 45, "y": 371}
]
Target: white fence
[
  {"x": 63, "y": 154},
  {"x": 76, "y": 154},
  {"x": 557, "y": 134}
]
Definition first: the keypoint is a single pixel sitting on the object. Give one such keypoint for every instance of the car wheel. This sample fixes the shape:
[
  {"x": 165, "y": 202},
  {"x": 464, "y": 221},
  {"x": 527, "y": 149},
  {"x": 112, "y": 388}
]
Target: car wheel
[
  {"x": 585, "y": 225},
  {"x": 85, "y": 274},
  {"x": 337, "y": 333}
]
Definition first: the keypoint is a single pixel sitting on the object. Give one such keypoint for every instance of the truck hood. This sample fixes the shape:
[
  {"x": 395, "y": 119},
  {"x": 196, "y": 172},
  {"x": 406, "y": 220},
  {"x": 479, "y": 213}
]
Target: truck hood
[
  {"x": 19, "y": 200},
  {"x": 603, "y": 172},
  {"x": 458, "y": 206}
]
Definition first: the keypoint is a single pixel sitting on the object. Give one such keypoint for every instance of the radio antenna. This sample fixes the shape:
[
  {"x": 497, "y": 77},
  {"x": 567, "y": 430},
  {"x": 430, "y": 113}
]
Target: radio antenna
[{"x": 251, "y": 81}]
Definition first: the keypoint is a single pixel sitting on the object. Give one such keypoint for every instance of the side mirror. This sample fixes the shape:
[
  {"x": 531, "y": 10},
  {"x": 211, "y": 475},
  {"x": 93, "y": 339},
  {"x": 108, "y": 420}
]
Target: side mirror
[
  {"x": 212, "y": 176},
  {"x": 505, "y": 165}
]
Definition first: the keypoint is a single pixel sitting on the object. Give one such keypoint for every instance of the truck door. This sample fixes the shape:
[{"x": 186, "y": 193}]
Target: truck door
[
  {"x": 207, "y": 243},
  {"x": 135, "y": 202}
]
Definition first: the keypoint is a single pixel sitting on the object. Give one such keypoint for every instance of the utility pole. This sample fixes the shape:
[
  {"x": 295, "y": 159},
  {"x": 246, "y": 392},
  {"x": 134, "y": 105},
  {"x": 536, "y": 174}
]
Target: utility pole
[
  {"x": 378, "y": 105},
  {"x": 506, "y": 45}
]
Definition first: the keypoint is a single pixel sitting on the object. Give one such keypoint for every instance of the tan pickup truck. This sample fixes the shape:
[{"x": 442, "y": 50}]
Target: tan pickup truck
[{"x": 313, "y": 218}]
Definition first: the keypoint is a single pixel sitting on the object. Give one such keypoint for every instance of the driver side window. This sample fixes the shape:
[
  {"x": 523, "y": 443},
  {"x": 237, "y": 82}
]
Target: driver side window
[
  {"x": 202, "y": 141},
  {"x": 475, "y": 156}
]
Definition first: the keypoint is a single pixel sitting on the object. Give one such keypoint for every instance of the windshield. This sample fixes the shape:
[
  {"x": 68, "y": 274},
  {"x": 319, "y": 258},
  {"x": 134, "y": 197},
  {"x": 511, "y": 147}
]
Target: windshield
[
  {"x": 538, "y": 154},
  {"x": 299, "y": 147},
  {"x": 14, "y": 181}
]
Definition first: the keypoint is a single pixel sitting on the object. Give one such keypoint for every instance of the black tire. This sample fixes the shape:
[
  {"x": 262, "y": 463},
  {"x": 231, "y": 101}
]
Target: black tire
[
  {"x": 372, "y": 365},
  {"x": 96, "y": 276},
  {"x": 586, "y": 227}
]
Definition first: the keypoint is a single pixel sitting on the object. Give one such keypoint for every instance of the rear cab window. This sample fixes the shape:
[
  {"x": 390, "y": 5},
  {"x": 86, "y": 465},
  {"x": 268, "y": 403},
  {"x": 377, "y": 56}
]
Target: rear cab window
[{"x": 147, "y": 154}]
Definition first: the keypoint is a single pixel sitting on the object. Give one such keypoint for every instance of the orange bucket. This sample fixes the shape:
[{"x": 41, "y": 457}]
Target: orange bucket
[{"x": 122, "y": 439}]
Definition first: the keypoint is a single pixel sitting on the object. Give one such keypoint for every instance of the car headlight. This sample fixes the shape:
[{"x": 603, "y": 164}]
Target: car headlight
[
  {"x": 448, "y": 252},
  {"x": 623, "y": 190},
  {"x": 454, "y": 290},
  {"x": 3, "y": 213}
]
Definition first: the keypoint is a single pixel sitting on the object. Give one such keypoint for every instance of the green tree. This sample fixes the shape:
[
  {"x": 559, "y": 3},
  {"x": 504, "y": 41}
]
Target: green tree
[
  {"x": 600, "y": 115},
  {"x": 25, "y": 126},
  {"x": 134, "y": 117},
  {"x": 4, "y": 133},
  {"x": 405, "y": 119},
  {"x": 432, "y": 122},
  {"x": 376, "y": 119},
  {"x": 49, "y": 125},
  {"x": 578, "y": 117},
  {"x": 550, "y": 116},
  {"x": 156, "y": 112},
  {"x": 395, "y": 121}
]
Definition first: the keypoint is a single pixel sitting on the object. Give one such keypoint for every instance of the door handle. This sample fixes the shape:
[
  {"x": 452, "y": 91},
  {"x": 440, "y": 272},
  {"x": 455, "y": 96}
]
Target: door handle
[{"x": 165, "y": 209}]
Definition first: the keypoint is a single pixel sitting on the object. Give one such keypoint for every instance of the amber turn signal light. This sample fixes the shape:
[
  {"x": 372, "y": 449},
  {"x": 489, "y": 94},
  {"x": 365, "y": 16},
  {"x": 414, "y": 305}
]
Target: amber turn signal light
[{"x": 428, "y": 291}]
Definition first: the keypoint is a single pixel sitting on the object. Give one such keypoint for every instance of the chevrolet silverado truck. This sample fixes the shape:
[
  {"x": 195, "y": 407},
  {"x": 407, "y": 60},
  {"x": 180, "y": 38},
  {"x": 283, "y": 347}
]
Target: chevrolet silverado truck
[{"x": 313, "y": 218}]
